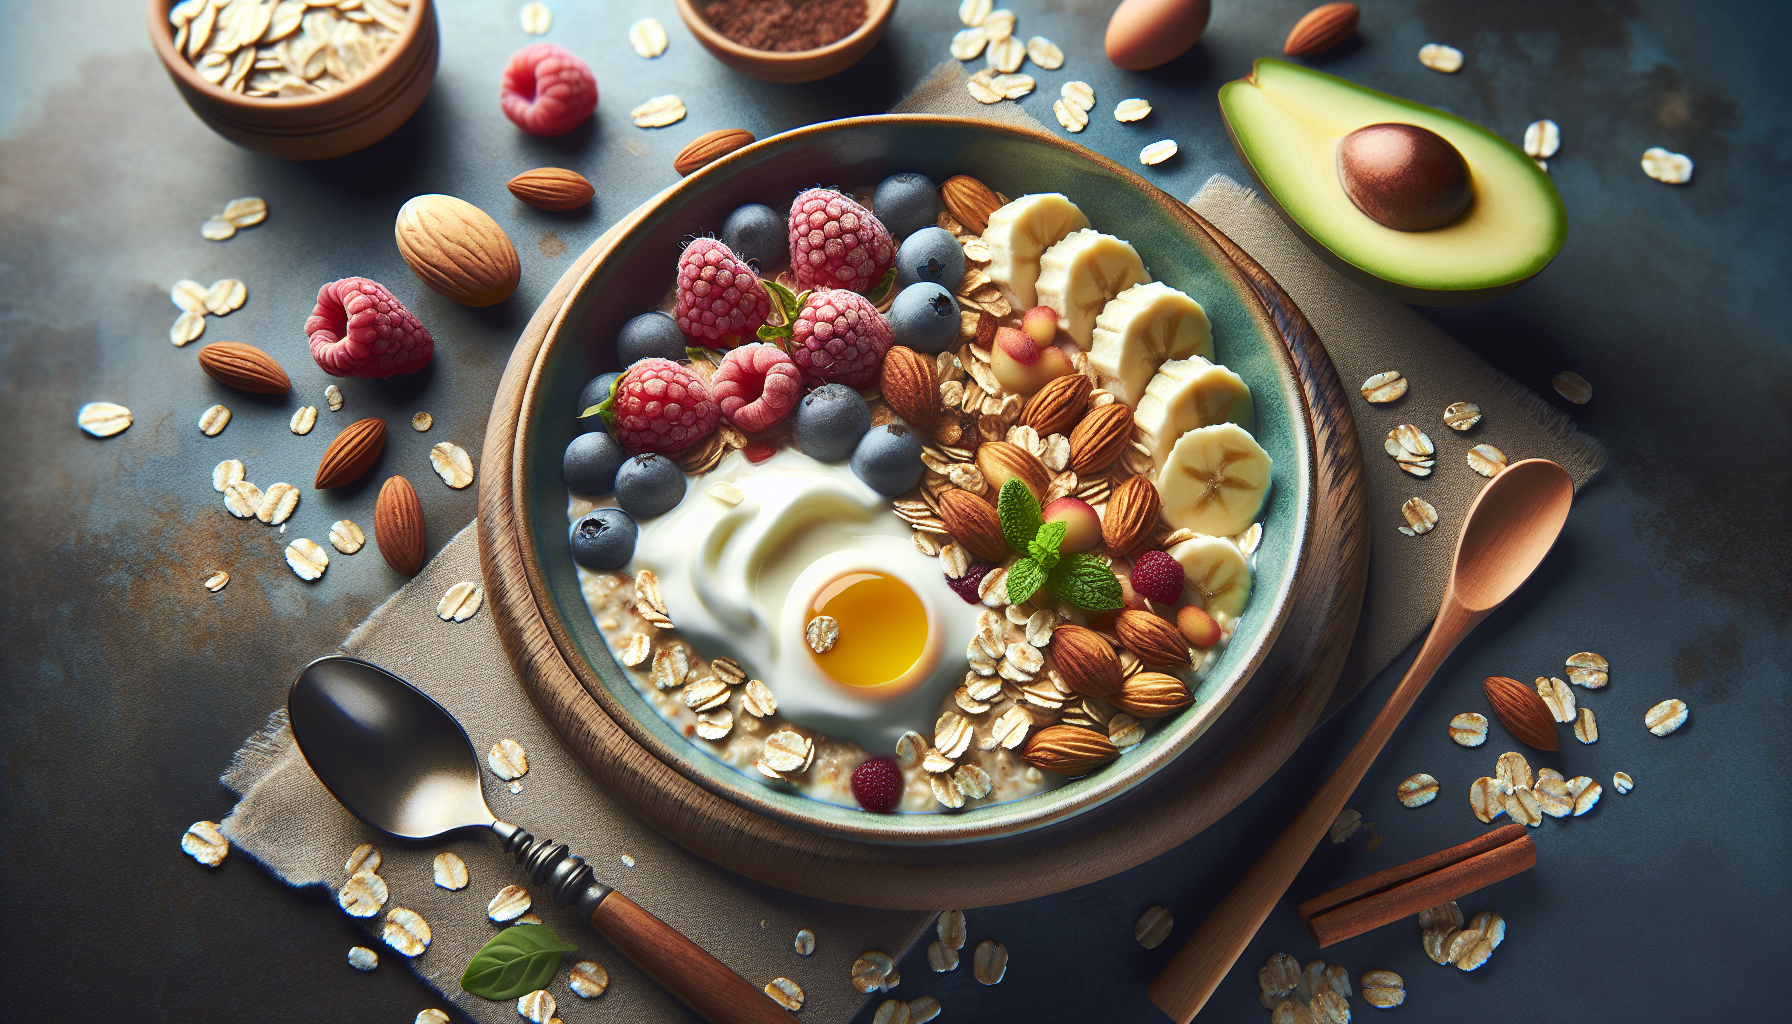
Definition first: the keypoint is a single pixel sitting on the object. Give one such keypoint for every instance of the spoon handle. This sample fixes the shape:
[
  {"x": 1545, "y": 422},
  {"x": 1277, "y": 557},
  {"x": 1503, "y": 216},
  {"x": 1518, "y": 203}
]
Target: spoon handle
[{"x": 683, "y": 968}]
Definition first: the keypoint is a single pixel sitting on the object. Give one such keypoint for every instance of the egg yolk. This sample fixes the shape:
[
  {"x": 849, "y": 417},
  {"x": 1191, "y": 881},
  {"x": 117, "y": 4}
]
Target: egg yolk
[{"x": 883, "y": 628}]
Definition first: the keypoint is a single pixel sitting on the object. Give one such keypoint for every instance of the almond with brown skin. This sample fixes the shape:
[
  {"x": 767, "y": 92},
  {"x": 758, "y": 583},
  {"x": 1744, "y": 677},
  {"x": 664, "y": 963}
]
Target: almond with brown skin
[
  {"x": 1320, "y": 29},
  {"x": 969, "y": 201},
  {"x": 1069, "y": 750},
  {"x": 552, "y": 188},
  {"x": 1130, "y": 519},
  {"x": 909, "y": 388},
  {"x": 398, "y": 526},
  {"x": 973, "y": 523},
  {"x": 1057, "y": 407},
  {"x": 1089, "y": 666},
  {"x": 245, "y": 368},
  {"x": 710, "y": 147},
  {"x": 985, "y": 333},
  {"x": 1152, "y": 695},
  {"x": 1100, "y": 438},
  {"x": 352, "y": 453},
  {"x": 457, "y": 249},
  {"x": 999, "y": 461},
  {"x": 1522, "y": 712},
  {"x": 1156, "y": 641}
]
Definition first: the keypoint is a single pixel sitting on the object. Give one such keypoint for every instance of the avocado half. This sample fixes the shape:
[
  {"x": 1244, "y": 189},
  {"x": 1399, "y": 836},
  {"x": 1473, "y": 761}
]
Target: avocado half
[{"x": 1286, "y": 122}]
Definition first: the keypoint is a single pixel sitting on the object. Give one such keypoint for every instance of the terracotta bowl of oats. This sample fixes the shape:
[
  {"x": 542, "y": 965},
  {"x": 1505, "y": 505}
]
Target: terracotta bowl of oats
[
  {"x": 794, "y": 65},
  {"x": 296, "y": 81}
]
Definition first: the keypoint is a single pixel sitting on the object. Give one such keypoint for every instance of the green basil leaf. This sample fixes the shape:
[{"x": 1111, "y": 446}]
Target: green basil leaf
[
  {"x": 1018, "y": 511},
  {"x": 1025, "y": 577},
  {"x": 1085, "y": 580},
  {"x": 1045, "y": 544},
  {"x": 517, "y": 961},
  {"x": 881, "y": 290}
]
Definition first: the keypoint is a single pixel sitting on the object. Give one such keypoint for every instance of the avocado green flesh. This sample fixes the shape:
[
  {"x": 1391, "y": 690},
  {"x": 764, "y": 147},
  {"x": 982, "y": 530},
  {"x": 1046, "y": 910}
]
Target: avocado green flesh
[{"x": 1287, "y": 120}]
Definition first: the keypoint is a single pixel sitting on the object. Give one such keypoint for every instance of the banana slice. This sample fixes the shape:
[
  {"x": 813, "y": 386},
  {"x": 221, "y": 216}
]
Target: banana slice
[
  {"x": 1139, "y": 329},
  {"x": 1183, "y": 395},
  {"x": 1018, "y": 234},
  {"x": 1078, "y": 275},
  {"x": 1218, "y": 573},
  {"x": 1215, "y": 480}
]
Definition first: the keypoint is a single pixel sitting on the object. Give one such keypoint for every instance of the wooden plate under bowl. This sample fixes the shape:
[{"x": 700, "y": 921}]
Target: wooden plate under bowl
[{"x": 1195, "y": 769}]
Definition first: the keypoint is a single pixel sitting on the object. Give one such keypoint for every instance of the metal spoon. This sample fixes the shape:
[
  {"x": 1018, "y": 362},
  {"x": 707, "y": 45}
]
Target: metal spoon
[
  {"x": 401, "y": 763},
  {"x": 1510, "y": 527}
]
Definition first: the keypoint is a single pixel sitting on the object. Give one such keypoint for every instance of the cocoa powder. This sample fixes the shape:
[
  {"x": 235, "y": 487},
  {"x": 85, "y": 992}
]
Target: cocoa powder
[{"x": 786, "y": 26}]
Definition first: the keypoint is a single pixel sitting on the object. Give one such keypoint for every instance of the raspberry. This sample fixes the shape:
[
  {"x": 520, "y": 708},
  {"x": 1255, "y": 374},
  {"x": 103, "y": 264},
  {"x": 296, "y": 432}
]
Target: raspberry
[
  {"x": 756, "y": 387},
  {"x": 547, "y": 91},
  {"x": 360, "y": 330},
  {"x": 836, "y": 243},
  {"x": 1157, "y": 576},
  {"x": 839, "y": 337},
  {"x": 877, "y": 785},
  {"x": 966, "y": 586},
  {"x": 720, "y": 300},
  {"x": 663, "y": 407},
  {"x": 759, "y": 451}
]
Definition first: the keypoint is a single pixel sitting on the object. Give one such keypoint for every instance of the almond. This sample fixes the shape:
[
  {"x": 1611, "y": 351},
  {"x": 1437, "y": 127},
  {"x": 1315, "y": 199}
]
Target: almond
[
  {"x": 1059, "y": 405},
  {"x": 457, "y": 249},
  {"x": 552, "y": 188},
  {"x": 710, "y": 147},
  {"x": 999, "y": 461},
  {"x": 969, "y": 201},
  {"x": 973, "y": 523},
  {"x": 1320, "y": 29},
  {"x": 1156, "y": 641},
  {"x": 1100, "y": 438},
  {"x": 245, "y": 368},
  {"x": 1069, "y": 750},
  {"x": 352, "y": 453},
  {"x": 1089, "y": 666},
  {"x": 1152, "y": 695},
  {"x": 398, "y": 526},
  {"x": 908, "y": 387},
  {"x": 1130, "y": 520},
  {"x": 1522, "y": 712}
]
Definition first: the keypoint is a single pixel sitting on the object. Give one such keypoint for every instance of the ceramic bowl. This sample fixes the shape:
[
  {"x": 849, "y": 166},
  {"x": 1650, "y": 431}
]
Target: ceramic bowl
[
  {"x": 800, "y": 65},
  {"x": 638, "y": 268},
  {"x": 344, "y": 120}
]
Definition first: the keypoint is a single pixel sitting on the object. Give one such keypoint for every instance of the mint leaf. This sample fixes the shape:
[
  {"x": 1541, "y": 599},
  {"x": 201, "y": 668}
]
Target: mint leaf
[
  {"x": 881, "y": 290},
  {"x": 605, "y": 408},
  {"x": 517, "y": 961},
  {"x": 1045, "y": 544},
  {"x": 1019, "y": 512},
  {"x": 706, "y": 355},
  {"x": 789, "y": 304},
  {"x": 1085, "y": 581},
  {"x": 776, "y": 334},
  {"x": 1025, "y": 577}
]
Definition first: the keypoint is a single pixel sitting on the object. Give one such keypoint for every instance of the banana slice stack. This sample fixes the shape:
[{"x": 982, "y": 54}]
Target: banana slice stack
[
  {"x": 1018, "y": 234},
  {"x": 1186, "y": 394},
  {"x": 1141, "y": 328},
  {"x": 1081, "y": 273}
]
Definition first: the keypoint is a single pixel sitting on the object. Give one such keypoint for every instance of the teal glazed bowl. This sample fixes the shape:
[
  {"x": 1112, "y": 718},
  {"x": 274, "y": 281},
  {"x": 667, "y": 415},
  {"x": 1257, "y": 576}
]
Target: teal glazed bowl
[{"x": 638, "y": 267}]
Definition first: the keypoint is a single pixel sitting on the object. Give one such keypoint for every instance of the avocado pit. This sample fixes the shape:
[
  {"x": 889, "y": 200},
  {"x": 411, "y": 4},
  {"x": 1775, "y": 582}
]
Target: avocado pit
[{"x": 1404, "y": 177}]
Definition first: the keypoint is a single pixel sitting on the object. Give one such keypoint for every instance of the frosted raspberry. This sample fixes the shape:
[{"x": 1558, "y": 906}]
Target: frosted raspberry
[
  {"x": 1158, "y": 575},
  {"x": 836, "y": 243},
  {"x": 877, "y": 785},
  {"x": 720, "y": 300},
  {"x": 360, "y": 330},
  {"x": 547, "y": 91},
  {"x": 663, "y": 407},
  {"x": 756, "y": 387},
  {"x": 839, "y": 338}
]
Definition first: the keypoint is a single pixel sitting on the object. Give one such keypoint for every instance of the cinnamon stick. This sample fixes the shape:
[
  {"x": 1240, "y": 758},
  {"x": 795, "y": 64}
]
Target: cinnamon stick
[{"x": 1403, "y": 891}]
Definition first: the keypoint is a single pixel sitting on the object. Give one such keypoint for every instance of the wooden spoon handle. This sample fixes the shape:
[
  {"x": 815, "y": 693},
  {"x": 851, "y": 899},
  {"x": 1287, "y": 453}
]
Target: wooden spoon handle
[
  {"x": 1189, "y": 980},
  {"x": 682, "y": 968}
]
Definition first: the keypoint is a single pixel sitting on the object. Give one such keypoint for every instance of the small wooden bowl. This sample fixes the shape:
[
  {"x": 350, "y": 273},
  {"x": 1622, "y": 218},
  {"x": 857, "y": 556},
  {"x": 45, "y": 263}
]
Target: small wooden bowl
[
  {"x": 797, "y": 66},
  {"x": 353, "y": 117}
]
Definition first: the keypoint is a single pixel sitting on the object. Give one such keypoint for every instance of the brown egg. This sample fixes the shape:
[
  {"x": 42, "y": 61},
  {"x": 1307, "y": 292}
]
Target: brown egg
[
  {"x": 1406, "y": 177},
  {"x": 1145, "y": 33}
]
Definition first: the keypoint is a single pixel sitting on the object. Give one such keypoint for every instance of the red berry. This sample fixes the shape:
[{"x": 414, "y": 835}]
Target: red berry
[
  {"x": 720, "y": 300},
  {"x": 759, "y": 451},
  {"x": 839, "y": 337},
  {"x": 663, "y": 407},
  {"x": 547, "y": 91},
  {"x": 877, "y": 785},
  {"x": 966, "y": 586},
  {"x": 1157, "y": 576},
  {"x": 360, "y": 330},
  {"x": 836, "y": 243},
  {"x": 757, "y": 386}
]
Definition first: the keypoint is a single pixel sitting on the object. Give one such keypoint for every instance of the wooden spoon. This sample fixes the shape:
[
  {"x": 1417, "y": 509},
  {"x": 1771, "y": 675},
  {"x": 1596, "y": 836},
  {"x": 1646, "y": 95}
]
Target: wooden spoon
[{"x": 1510, "y": 527}]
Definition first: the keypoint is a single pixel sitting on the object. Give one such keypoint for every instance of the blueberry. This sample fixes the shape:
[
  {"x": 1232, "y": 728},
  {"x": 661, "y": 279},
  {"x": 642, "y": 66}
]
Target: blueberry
[
  {"x": 648, "y": 485},
  {"x": 595, "y": 392},
  {"x": 604, "y": 538},
  {"x": 906, "y": 203},
  {"x": 930, "y": 254},
  {"x": 925, "y": 317},
  {"x": 889, "y": 459},
  {"x": 590, "y": 463},
  {"x": 650, "y": 336},
  {"x": 829, "y": 422},
  {"x": 758, "y": 234}
]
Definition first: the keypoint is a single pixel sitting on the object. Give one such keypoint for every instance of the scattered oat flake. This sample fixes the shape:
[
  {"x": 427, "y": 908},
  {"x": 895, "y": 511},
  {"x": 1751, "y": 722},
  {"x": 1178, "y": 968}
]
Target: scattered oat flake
[
  {"x": 1417, "y": 790},
  {"x": 1344, "y": 825},
  {"x": 1133, "y": 109},
  {"x": 452, "y": 464},
  {"x": 204, "y": 843},
  {"x": 967, "y": 43},
  {"x": 217, "y": 581},
  {"x": 103, "y": 419},
  {"x": 1622, "y": 782},
  {"x": 1421, "y": 517},
  {"x": 333, "y": 397},
  {"x": 365, "y": 857},
  {"x": 1522, "y": 806},
  {"x": 1012, "y": 87},
  {"x": 1589, "y": 670},
  {"x": 1384, "y": 387},
  {"x": 1005, "y": 53},
  {"x": 1551, "y": 792},
  {"x": 431, "y": 1016},
  {"x": 787, "y": 751},
  {"x": 950, "y": 927},
  {"x": 1439, "y": 57},
  {"x": 242, "y": 498},
  {"x": 626, "y": 861},
  {"x": 1572, "y": 386},
  {"x": 537, "y": 19},
  {"x": 785, "y": 993},
  {"x": 1153, "y": 927},
  {"x": 636, "y": 649},
  {"x": 1469, "y": 729},
  {"x": 1585, "y": 793},
  {"x": 308, "y": 561},
  {"x": 587, "y": 979},
  {"x": 714, "y": 725},
  {"x": 990, "y": 962},
  {"x": 246, "y": 212},
  {"x": 362, "y": 895},
  {"x": 1383, "y": 990},
  {"x": 973, "y": 12},
  {"x": 1078, "y": 94},
  {"x": 658, "y": 112},
  {"x": 1045, "y": 53},
  {"x": 1157, "y": 152},
  {"x": 1513, "y": 769},
  {"x": 822, "y": 633},
  {"x": 1071, "y": 116},
  {"x": 225, "y": 296},
  {"x": 346, "y": 536},
  {"x": 942, "y": 958},
  {"x": 1557, "y": 697},
  {"x": 450, "y": 871},
  {"x": 277, "y": 504},
  {"x": 1665, "y": 717},
  {"x": 537, "y": 1007},
  {"x": 510, "y": 903},
  {"x": 226, "y": 473},
  {"x": 1462, "y": 415},
  {"x": 460, "y": 602},
  {"x": 304, "y": 419},
  {"x": 217, "y": 230},
  {"x": 891, "y": 1011},
  {"x": 1665, "y": 166},
  {"x": 1542, "y": 139},
  {"x": 187, "y": 327},
  {"x": 805, "y": 942},
  {"x": 507, "y": 759},
  {"x": 1486, "y": 797},
  {"x": 980, "y": 88},
  {"x": 648, "y": 37},
  {"x": 923, "y": 1009},
  {"x": 363, "y": 959},
  {"x": 406, "y": 931},
  {"x": 212, "y": 421},
  {"x": 188, "y": 296},
  {"x": 1586, "y": 727},
  {"x": 1486, "y": 460}
]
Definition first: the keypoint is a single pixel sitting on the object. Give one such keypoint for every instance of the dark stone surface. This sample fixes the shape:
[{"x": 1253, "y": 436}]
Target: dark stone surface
[{"x": 128, "y": 686}]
